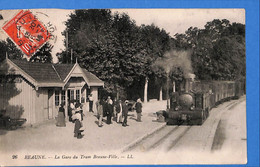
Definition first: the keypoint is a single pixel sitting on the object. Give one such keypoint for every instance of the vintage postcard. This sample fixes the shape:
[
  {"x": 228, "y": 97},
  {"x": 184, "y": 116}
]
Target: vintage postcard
[{"x": 122, "y": 87}]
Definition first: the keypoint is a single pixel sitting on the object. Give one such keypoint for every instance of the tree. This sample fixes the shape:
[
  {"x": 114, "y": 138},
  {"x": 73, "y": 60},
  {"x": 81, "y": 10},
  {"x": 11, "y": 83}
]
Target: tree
[
  {"x": 8, "y": 80},
  {"x": 218, "y": 50},
  {"x": 86, "y": 28},
  {"x": 43, "y": 55},
  {"x": 155, "y": 42},
  {"x": 112, "y": 47},
  {"x": 91, "y": 38},
  {"x": 115, "y": 49},
  {"x": 9, "y": 48},
  {"x": 230, "y": 54}
]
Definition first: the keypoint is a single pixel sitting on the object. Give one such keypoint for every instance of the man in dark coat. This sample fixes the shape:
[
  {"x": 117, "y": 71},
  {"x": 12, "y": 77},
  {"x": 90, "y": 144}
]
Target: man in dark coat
[
  {"x": 109, "y": 109},
  {"x": 125, "y": 113},
  {"x": 90, "y": 98}
]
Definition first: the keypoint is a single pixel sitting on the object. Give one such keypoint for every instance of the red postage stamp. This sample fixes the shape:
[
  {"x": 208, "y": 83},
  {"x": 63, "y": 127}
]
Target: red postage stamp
[{"x": 27, "y": 32}]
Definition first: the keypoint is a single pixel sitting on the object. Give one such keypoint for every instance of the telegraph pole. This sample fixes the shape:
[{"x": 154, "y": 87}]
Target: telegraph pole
[
  {"x": 71, "y": 56},
  {"x": 67, "y": 45}
]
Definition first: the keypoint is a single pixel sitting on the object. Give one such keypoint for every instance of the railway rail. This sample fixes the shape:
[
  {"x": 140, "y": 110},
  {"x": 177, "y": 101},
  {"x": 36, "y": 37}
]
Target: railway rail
[{"x": 167, "y": 137}]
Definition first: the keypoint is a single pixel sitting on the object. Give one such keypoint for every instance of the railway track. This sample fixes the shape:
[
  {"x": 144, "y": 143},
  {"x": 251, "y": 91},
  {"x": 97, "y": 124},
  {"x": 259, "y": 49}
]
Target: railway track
[
  {"x": 165, "y": 138},
  {"x": 155, "y": 140}
]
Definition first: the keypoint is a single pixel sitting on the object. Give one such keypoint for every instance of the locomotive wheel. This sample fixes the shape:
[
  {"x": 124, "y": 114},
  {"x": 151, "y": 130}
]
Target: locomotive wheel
[
  {"x": 168, "y": 123},
  {"x": 190, "y": 122},
  {"x": 199, "y": 121},
  {"x": 13, "y": 127},
  {"x": 179, "y": 122},
  {"x": 171, "y": 122}
]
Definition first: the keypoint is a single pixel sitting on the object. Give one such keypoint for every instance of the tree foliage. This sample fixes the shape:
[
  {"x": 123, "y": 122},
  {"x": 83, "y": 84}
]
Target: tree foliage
[
  {"x": 43, "y": 55},
  {"x": 218, "y": 50},
  {"x": 8, "y": 47},
  {"x": 123, "y": 54},
  {"x": 113, "y": 47}
]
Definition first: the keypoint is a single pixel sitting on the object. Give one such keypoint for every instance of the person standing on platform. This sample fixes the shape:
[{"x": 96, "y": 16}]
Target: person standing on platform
[
  {"x": 90, "y": 98},
  {"x": 114, "y": 109},
  {"x": 109, "y": 110},
  {"x": 139, "y": 109},
  {"x": 119, "y": 110},
  {"x": 125, "y": 113},
  {"x": 61, "y": 116},
  {"x": 78, "y": 125},
  {"x": 79, "y": 109},
  {"x": 99, "y": 105},
  {"x": 71, "y": 110}
]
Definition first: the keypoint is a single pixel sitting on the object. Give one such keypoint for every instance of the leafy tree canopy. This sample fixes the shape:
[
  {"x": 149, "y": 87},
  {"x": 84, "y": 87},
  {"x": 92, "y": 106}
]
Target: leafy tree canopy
[
  {"x": 123, "y": 54},
  {"x": 218, "y": 50},
  {"x": 113, "y": 47},
  {"x": 8, "y": 47}
]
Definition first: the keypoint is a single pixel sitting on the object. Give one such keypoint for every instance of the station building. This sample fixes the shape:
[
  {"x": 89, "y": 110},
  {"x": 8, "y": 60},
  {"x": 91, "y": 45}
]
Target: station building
[{"x": 38, "y": 89}]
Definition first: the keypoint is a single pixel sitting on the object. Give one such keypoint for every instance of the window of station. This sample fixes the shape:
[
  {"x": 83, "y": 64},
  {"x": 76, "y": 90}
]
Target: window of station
[
  {"x": 77, "y": 95},
  {"x": 57, "y": 98},
  {"x": 63, "y": 97},
  {"x": 72, "y": 95},
  {"x": 82, "y": 96}
]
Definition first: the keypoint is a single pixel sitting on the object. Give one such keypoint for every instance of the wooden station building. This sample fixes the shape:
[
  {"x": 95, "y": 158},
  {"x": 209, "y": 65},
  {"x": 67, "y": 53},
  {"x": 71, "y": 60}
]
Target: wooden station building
[{"x": 42, "y": 87}]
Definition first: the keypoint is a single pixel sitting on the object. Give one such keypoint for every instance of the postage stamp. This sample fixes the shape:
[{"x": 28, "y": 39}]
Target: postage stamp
[{"x": 27, "y": 32}]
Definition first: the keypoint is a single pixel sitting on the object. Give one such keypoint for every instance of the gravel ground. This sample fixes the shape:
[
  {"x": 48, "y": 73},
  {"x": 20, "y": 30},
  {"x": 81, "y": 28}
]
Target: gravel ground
[{"x": 48, "y": 137}]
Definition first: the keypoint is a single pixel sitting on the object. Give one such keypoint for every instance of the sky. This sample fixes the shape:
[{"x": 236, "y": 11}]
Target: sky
[
  {"x": 179, "y": 20},
  {"x": 171, "y": 20}
]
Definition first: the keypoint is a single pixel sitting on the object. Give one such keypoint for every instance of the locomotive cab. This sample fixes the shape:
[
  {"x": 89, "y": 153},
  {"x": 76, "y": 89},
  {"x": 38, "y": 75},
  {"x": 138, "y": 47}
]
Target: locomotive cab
[{"x": 185, "y": 106}]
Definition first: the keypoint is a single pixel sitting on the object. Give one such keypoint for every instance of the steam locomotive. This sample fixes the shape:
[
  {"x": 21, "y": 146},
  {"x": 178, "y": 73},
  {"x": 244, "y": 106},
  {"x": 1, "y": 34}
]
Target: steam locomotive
[{"x": 192, "y": 104}]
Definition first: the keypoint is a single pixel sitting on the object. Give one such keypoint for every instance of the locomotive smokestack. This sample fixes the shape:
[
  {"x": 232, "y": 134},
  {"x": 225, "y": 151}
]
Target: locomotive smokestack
[{"x": 189, "y": 77}]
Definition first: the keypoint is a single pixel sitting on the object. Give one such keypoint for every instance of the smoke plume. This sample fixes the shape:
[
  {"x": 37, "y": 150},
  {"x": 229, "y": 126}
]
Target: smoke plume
[{"x": 176, "y": 59}]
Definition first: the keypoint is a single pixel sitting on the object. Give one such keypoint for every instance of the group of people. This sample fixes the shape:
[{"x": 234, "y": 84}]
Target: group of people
[
  {"x": 75, "y": 114},
  {"x": 117, "y": 110},
  {"x": 105, "y": 108}
]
